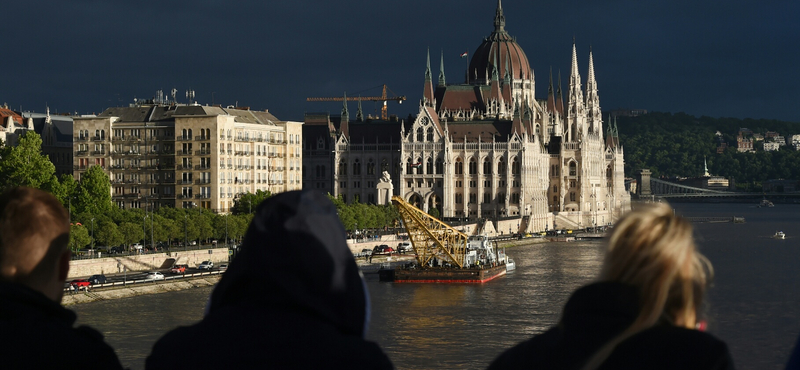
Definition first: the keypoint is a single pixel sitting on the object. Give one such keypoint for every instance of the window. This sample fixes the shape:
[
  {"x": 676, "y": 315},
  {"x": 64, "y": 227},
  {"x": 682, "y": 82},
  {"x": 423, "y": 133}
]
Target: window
[
  {"x": 473, "y": 166},
  {"x": 473, "y": 198},
  {"x": 370, "y": 167},
  {"x": 573, "y": 169},
  {"x": 487, "y": 197},
  {"x": 419, "y": 134},
  {"x": 515, "y": 167},
  {"x": 342, "y": 168},
  {"x": 430, "y": 134},
  {"x": 487, "y": 167},
  {"x": 439, "y": 166},
  {"x": 572, "y": 196},
  {"x": 429, "y": 166},
  {"x": 459, "y": 167},
  {"x": 459, "y": 198},
  {"x": 357, "y": 167}
]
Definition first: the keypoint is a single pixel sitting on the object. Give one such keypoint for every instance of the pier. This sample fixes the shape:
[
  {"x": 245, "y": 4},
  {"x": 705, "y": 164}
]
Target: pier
[{"x": 734, "y": 219}]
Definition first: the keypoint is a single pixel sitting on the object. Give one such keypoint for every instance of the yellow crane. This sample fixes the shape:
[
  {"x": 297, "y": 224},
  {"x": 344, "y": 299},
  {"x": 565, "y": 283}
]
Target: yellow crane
[
  {"x": 431, "y": 237},
  {"x": 383, "y": 98}
]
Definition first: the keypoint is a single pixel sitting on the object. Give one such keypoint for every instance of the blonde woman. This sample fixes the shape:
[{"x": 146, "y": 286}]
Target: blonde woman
[{"x": 642, "y": 313}]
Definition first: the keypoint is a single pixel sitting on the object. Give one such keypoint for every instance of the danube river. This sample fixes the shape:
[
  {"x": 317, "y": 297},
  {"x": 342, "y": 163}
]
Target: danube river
[{"x": 754, "y": 303}]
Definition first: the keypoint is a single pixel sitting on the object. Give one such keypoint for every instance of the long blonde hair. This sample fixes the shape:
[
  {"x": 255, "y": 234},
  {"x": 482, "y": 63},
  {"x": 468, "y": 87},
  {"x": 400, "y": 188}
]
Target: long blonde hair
[{"x": 653, "y": 250}]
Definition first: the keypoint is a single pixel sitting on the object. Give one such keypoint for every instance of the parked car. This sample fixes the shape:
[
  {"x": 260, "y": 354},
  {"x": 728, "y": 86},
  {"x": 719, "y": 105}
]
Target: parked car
[
  {"x": 154, "y": 275},
  {"x": 116, "y": 250},
  {"x": 366, "y": 252},
  {"x": 179, "y": 269},
  {"x": 137, "y": 247},
  {"x": 223, "y": 267},
  {"x": 405, "y": 247},
  {"x": 382, "y": 249},
  {"x": 78, "y": 283},
  {"x": 97, "y": 279},
  {"x": 206, "y": 265}
]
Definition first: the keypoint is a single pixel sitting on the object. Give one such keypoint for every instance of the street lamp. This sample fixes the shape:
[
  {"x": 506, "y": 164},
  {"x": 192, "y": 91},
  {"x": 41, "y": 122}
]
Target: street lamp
[
  {"x": 144, "y": 228},
  {"x": 92, "y": 234}
]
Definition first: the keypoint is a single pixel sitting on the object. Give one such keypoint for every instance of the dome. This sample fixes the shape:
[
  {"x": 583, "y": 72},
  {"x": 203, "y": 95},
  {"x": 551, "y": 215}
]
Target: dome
[{"x": 502, "y": 49}]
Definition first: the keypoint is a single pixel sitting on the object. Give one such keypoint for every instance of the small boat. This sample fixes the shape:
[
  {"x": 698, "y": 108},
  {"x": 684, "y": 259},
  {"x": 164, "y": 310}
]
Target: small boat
[
  {"x": 765, "y": 203},
  {"x": 779, "y": 235},
  {"x": 510, "y": 265}
]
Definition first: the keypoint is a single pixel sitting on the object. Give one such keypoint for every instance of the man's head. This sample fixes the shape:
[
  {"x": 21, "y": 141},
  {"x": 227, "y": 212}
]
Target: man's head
[{"x": 34, "y": 234}]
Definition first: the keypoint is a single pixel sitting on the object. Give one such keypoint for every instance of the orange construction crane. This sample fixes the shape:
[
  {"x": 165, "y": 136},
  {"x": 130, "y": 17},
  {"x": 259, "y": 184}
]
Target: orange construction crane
[{"x": 383, "y": 98}]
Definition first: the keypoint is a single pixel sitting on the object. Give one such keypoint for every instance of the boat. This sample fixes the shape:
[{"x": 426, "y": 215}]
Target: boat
[
  {"x": 765, "y": 203},
  {"x": 779, "y": 235},
  {"x": 482, "y": 263},
  {"x": 510, "y": 265}
]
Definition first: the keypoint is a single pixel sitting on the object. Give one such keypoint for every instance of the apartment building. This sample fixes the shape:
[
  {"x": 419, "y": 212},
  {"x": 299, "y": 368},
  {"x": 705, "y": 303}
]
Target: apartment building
[{"x": 160, "y": 154}]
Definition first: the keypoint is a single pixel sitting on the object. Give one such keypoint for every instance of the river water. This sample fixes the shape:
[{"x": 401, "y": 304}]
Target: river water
[{"x": 754, "y": 303}]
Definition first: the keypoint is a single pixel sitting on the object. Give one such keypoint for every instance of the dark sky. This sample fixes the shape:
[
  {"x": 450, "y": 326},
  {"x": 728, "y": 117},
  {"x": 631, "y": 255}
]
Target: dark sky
[{"x": 718, "y": 58}]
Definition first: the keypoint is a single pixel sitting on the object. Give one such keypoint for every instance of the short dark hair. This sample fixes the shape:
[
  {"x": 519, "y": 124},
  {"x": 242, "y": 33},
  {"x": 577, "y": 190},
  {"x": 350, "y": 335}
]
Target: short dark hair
[{"x": 24, "y": 212}]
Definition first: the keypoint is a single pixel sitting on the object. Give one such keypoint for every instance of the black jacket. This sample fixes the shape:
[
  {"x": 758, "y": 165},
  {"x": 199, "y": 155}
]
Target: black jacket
[
  {"x": 597, "y": 313},
  {"x": 39, "y": 334},
  {"x": 293, "y": 298}
]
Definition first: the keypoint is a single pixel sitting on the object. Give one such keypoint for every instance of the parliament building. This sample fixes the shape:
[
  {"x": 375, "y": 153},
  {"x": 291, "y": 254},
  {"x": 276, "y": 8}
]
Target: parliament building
[{"x": 484, "y": 148}]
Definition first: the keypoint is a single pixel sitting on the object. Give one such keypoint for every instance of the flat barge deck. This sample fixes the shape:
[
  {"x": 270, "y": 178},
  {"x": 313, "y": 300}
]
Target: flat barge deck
[{"x": 442, "y": 275}]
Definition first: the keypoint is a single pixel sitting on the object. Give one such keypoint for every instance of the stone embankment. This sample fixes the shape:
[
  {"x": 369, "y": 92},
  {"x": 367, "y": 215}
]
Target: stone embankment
[
  {"x": 132, "y": 290},
  {"x": 145, "y": 262}
]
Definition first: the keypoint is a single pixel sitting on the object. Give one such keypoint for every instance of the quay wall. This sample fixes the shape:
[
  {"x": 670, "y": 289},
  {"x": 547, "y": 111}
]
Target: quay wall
[
  {"x": 144, "y": 262},
  {"x": 133, "y": 290}
]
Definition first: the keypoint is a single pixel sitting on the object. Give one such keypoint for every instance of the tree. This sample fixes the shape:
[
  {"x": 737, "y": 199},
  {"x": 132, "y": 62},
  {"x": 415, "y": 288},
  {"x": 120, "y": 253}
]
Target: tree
[
  {"x": 107, "y": 233},
  {"x": 78, "y": 236},
  {"x": 67, "y": 190},
  {"x": 94, "y": 192},
  {"x": 24, "y": 165},
  {"x": 131, "y": 232},
  {"x": 247, "y": 202}
]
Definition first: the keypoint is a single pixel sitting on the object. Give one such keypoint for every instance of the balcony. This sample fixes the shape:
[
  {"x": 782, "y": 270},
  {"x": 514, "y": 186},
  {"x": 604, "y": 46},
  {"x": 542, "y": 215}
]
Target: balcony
[
  {"x": 202, "y": 196},
  {"x": 202, "y": 181},
  {"x": 98, "y": 138},
  {"x": 183, "y": 138},
  {"x": 202, "y": 138},
  {"x": 81, "y": 153},
  {"x": 186, "y": 182},
  {"x": 118, "y": 139},
  {"x": 98, "y": 152},
  {"x": 79, "y": 167},
  {"x": 230, "y": 151},
  {"x": 230, "y": 166},
  {"x": 185, "y": 196},
  {"x": 80, "y": 138},
  {"x": 202, "y": 167},
  {"x": 202, "y": 152}
]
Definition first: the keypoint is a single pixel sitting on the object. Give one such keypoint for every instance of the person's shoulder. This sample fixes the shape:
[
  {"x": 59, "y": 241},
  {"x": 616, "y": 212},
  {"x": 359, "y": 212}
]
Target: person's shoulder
[
  {"x": 670, "y": 347},
  {"x": 536, "y": 350}
]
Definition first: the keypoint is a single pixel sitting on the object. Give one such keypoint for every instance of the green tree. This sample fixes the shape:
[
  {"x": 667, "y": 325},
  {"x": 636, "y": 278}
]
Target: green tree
[
  {"x": 131, "y": 232},
  {"x": 107, "y": 233},
  {"x": 94, "y": 192},
  {"x": 67, "y": 190},
  {"x": 78, "y": 237},
  {"x": 247, "y": 202},
  {"x": 24, "y": 165}
]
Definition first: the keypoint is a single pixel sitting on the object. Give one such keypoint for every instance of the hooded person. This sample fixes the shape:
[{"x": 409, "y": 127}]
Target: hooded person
[{"x": 293, "y": 298}]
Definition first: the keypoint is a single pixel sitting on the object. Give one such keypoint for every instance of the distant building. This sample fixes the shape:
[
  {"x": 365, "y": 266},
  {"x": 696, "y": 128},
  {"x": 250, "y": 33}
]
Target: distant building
[
  {"x": 56, "y": 133},
  {"x": 169, "y": 155},
  {"x": 771, "y": 146},
  {"x": 771, "y": 134},
  {"x": 780, "y": 186},
  {"x": 758, "y": 137},
  {"x": 744, "y": 144},
  {"x": 795, "y": 142},
  {"x": 13, "y": 126}
]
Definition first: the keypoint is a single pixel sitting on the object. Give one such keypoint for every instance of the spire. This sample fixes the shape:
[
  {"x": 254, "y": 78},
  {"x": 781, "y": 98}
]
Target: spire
[
  {"x": 428, "y": 67},
  {"x": 705, "y": 168},
  {"x": 344, "y": 125},
  {"x": 551, "y": 99},
  {"x": 590, "y": 77},
  {"x": 559, "y": 96},
  {"x": 441, "y": 70},
  {"x": 499, "y": 18},
  {"x": 359, "y": 113},
  {"x": 427, "y": 93}
]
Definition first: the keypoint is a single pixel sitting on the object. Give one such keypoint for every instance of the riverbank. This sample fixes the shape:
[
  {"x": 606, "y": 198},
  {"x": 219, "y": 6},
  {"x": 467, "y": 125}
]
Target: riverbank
[{"x": 139, "y": 289}]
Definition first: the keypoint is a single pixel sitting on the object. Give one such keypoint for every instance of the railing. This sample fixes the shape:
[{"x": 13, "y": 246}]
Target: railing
[
  {"x": 202, "y": 138},
  {"x": 202, "y": 167},
  {"x": 202, "y": 181},
  {"x": 98, "y": 152},
  {"x": 81, "y": 153},
  {"x": 184, "y": 152},
  {"x": 98, "y": 138},
  {"x": 80, "y": 138},
  {"x": 202, "y": 152},
  {"x": 183, "y": 138}
]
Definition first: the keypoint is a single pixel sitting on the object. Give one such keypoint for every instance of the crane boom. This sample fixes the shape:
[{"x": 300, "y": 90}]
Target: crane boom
[
  {"x": 431, "y": 237},
  {"x": 383, "y": 98}
]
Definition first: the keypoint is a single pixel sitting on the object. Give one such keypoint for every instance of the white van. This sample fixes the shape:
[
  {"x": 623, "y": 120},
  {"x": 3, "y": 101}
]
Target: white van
[
  {"x": 404, "y": 247},
  {"x": 136, "y": 247}
]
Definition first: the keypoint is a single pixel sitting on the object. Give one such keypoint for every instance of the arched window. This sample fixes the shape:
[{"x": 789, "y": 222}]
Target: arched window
[
  {"x": 487, "y": 167},
  {"x": 573, "y": 169},
  {"x": 430, "y": 134},
  {"x": 429, "y": 166},
  {"x": 418, "y": 165},
  {"x": 439, "y": 166},
  {"x": 370, "y": 167},
  {"x": 97, "y": 134},
  {"x": 342, "y": 167},
  {"x": 459, "y": 167},
  {"x": 103, "y": 134},
  {"x": 473, "y": 166},
  {"x": 184, "y": 134},
  {"x": 409, "y": 169},
  {"x": 515, "y": 167},
  {"x": 357, "y": 167},
  {"x": 459, "y": 198},
  {"x": 501, "y": 166},
  {"x": 190, "y": 135},
  {"x": 419, "y": 134}
]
